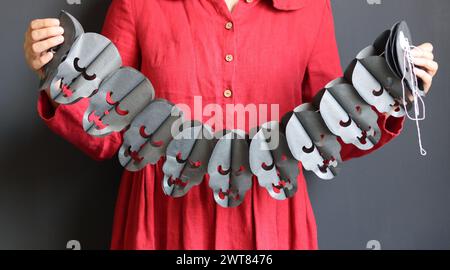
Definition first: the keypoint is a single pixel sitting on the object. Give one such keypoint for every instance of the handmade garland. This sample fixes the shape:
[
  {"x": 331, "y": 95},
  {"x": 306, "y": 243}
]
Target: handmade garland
[{"x": 88, "y": 65}]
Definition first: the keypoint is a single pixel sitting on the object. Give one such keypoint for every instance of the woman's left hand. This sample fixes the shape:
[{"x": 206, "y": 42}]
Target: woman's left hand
[{"x": 426, "y": 67}]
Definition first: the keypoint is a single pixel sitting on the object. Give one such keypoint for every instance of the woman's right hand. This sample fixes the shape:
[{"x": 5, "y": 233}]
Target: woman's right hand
[{"x": 41, "y": 36}]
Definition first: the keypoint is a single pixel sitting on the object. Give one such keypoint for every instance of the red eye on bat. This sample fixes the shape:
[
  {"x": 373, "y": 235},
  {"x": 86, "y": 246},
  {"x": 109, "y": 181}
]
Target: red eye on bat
[
  {"x": 111, "y": 102},
  {"x": 195, "y": 164},
  {"x": 240, "y": 170},
  {"x": 109, "y": 99},
  {"x": 143, "y": 133},
  {"x": 156, "y": 143},
  {"x": 119, "y": 111}
]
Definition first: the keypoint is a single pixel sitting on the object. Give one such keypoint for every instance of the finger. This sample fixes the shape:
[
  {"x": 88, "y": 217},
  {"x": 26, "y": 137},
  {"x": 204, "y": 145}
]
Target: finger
[
  {"x": 45, "y": 45},
  {"x": 41, "y": 61},
  {"x": 27, "y": 38},
  {"x": 43, "y": 23},
  {"x": 429, "y": 65},
  {"x": 46, "y": 58},
  {"x": 45, "y": 33},
  {"x": 419, "y": 53},
  {"x": 426, "y": 78},
  {"x": 428, "y": 47}
]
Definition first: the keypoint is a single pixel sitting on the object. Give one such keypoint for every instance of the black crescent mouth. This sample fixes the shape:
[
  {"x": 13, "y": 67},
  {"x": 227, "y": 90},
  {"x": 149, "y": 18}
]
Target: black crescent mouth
[
  {"x": 347, "y": 123},
  {"x": 222, "y": 171},
  {"x": 378, "y": 93},
  {"x": 82, "y": 71},
  {"x": 89, "y": 77},
  {"x": 268, "y": 167},
  {"x": 76, "y": 65},
  {"x": 180, "y": 159},
  {"x": 308, "y": 150}
]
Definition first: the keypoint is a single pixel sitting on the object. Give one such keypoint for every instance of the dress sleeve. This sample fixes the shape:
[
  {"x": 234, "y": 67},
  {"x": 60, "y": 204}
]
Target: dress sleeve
[
  {"x": 324, "y": 66},
  {"x": 66, "y": 120},
  {"x": 120, "y": 28}
]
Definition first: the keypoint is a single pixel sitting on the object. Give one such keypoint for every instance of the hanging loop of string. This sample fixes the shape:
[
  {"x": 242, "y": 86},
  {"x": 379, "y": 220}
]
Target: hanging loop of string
[{"x": 417, "y": 95}]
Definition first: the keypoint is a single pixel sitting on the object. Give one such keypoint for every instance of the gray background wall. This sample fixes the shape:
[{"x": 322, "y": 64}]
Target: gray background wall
[{"x": 50, "y": 193}]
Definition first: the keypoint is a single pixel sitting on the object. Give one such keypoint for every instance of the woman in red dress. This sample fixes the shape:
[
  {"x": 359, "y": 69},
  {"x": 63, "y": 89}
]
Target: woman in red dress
[{"x": 226, "y": 52}]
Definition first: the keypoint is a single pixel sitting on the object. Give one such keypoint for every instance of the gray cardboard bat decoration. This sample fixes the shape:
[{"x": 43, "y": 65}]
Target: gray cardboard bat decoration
[
  {"x": 312, "y": 143},
  {"x": 88, "y": 65},
  {"x": 91, "y": 59},
  {"x": 400, "y": 40},
  {"x": 72, "y": 30},
  {"x": 392, "y": 46},
  {"x": 374, "y": 81},
  {"x": 272, "y": 162},
  {"x": 187, "y": 159},
  {"x": 347, "y": 115},
  {"x": 146, "y": 140},
  {"x": 381, "y": 64},
  {"x": 117, "y": 102},
  {"x": 229, "y": 171}
]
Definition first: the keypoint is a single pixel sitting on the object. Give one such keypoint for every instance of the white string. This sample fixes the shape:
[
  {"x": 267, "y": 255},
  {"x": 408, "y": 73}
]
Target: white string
[{"x": 408, "y": 69}]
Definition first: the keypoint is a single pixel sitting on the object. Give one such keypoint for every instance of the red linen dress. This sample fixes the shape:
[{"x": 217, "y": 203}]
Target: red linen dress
[{"x": 264, "y": 52}]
